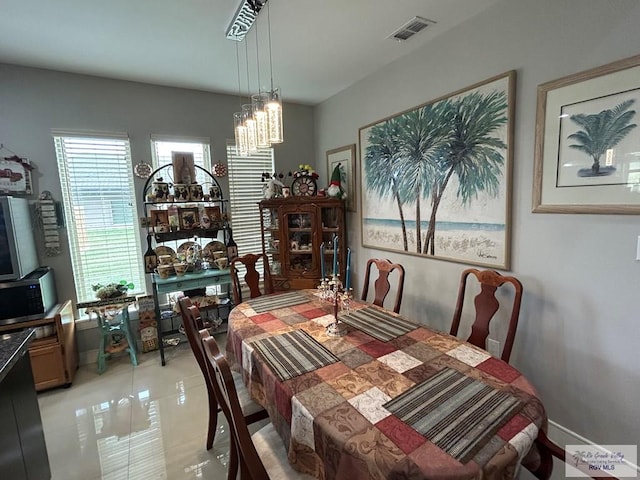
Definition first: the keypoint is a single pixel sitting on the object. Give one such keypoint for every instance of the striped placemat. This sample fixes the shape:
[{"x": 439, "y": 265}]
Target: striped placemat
[
  {"x": 273, "y": 302},
  {"x": 455, "y": 412},
  {"x": 379, "y": 324},
  {"x": 293, "y": 353}
]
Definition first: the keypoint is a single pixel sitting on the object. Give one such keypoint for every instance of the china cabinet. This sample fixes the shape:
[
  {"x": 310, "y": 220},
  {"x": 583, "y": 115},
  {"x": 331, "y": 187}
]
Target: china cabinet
[{"x": 293, "y": 229}]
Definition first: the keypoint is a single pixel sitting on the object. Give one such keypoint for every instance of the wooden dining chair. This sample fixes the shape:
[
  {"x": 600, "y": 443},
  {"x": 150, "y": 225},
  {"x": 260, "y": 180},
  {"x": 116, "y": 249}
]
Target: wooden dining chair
[
  {"x": 549, "y": 449},
  {"x": 192, "y": 322},
  {"x": 251, "y": 277},
  {"x": 262, "y": 456},
  {"x": 486, "y": 306},
  {"x": 382, "y": 284}
]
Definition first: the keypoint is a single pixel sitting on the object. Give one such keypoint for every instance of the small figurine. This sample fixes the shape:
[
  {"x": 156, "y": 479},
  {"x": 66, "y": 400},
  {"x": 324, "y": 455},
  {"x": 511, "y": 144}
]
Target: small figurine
[
  {"x": 272, "y": 188},
  {"x": 335, "y": 189}
]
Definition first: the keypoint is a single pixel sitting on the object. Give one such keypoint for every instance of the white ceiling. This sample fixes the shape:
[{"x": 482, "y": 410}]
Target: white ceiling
[{"x": 319, "y": 47}]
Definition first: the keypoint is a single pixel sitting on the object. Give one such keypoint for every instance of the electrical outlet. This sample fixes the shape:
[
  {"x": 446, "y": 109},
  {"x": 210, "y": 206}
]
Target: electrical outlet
[
  {"x": 493, "y": 347},
  {"x": 638, "y": 249}
]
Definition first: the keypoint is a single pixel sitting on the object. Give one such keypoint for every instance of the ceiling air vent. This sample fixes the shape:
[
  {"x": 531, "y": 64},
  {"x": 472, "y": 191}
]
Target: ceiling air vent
[{"x": 409, "y": 29}]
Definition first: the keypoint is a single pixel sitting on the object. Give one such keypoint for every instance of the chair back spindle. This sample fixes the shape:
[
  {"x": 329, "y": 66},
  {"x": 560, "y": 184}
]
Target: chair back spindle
[
  {"x": 382, "y": 286},
  {"x": 251, "y": 277},
  {"x": 486, "y": 306}
]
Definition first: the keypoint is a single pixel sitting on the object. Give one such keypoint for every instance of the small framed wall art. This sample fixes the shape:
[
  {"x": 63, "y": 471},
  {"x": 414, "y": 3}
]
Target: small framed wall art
[
  {"x": 15, "y": 176},
  {"x": 587, "y": 158}
]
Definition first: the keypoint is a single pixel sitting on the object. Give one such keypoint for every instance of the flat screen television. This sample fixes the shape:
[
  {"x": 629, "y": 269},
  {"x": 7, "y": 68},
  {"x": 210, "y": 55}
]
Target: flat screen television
[{"x": 18, "y": 253}]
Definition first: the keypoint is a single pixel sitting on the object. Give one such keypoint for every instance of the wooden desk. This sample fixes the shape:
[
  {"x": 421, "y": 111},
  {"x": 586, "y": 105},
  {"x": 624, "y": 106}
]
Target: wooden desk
[
  {"x": 342, "y": 419},
  {"x": 54, "y": 359}
]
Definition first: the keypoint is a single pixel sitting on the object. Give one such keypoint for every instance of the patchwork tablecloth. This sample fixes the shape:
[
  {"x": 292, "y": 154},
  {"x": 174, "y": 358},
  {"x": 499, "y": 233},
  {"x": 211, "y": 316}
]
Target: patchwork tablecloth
[
  {"x": 396, "y": 402},
  {"x": 378, "y": 323},
  {"x": 271, "y": 302},
  {"x": 293, "y": 353}
]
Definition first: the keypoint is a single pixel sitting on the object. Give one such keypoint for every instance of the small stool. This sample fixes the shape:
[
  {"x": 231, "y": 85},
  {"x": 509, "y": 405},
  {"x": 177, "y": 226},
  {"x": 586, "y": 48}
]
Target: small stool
[{"x": 115, "y": 333}]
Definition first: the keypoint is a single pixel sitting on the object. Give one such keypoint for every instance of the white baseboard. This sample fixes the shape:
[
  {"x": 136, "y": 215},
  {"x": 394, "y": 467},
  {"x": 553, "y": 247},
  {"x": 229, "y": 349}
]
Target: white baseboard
[
  {"x": 88, "y": 356},
  {"x": 563, "y": 436}
]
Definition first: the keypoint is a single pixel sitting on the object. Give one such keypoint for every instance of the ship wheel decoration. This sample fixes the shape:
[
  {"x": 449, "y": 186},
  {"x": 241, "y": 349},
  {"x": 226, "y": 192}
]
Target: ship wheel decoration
[
  {"x": 220, "y": 170},
  {"x": 304, "y": 185}
]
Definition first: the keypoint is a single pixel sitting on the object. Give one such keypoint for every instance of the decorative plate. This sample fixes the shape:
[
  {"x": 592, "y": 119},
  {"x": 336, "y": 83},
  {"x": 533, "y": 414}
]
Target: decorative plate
[
  {"x": 142, "y": 170},
  {"x": 304, "y": 185},
  {"x": 220, "y": 170},
  {"x": 215, "y": 246},
  {"x": 163, "y": 250},
  {"x": 183, "y": 247}
]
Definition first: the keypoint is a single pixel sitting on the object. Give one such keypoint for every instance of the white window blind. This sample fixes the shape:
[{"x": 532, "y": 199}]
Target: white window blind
[
  {"x": 99, "y": 202},
  {"x": 245, "y": 191},
  {"x": 161, "y": 148}
]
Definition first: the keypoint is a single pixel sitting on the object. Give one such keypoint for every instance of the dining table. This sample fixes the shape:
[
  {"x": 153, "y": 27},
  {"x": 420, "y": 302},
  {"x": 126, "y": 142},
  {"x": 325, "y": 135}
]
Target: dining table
[{"x": 390, "y": 399}]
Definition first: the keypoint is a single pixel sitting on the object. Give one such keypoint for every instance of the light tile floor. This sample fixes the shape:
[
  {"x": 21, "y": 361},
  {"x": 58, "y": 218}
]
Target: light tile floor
[
  {"x": 135, "y": 423},
  {"x": 140, "y": 423}
]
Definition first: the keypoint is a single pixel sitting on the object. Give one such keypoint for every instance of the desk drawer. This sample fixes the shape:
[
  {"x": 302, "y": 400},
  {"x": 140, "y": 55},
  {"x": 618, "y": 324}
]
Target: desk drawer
[
  {"x": 47, "y": 366},
  {"x": 191, "y": 283}
]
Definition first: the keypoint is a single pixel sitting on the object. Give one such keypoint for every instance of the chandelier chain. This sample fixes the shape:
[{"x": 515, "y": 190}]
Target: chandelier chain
[
  {"x": 246, "y": 55},
  {"x": 269, "y": 27},
  {"x": 239, "y": 86}
]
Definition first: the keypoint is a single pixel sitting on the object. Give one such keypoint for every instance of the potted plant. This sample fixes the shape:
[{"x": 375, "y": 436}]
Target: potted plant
[{"x": 112, "y": 290}]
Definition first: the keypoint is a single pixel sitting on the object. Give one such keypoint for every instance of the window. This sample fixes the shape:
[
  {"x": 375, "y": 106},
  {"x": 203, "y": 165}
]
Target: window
[
  {"x": 161, "y": 148},
  {"x": 245, "y": 191},
  {"x": 99, "y": 201}
]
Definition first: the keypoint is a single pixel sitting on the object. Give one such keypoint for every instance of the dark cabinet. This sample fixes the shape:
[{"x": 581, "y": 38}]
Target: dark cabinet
[
  {"x": 23, "y": 452},
  {"x": 293, "y": 229}
]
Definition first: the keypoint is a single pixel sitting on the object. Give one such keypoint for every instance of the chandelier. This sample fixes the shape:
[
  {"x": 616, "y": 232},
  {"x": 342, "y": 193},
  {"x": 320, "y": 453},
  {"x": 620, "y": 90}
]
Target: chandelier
[{"x": 258, "y": 124}]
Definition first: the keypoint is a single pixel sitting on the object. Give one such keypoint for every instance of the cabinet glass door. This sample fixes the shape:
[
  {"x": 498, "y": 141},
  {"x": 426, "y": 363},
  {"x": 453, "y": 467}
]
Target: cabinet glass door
[
  {"x": 300, "y": 242},
  {"x": 271, "y": 238},
  {"x": 331, "y": 228}
]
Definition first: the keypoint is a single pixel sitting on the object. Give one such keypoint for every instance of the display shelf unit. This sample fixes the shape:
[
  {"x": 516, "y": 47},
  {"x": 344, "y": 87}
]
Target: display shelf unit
[
  {"x": 293, "y": 229},
  {"x": 171, "y": 220},
  {"x": 189, "y": 281},
  {"x": 177, "y": 219},
  {"x": 209, "y": 314},
  {"x": 54, "y": 358}
]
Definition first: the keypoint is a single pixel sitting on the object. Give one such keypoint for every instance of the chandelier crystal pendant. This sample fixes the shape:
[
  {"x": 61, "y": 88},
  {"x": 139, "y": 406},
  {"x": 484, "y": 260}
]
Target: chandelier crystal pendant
[
  {"x": 258, "y": 103},
  {"x": 274, "y": 103},
  {"x": 250, "y": 125},
  {"x": 242, "y": 143},
  {"x": 274, "y": 116}
]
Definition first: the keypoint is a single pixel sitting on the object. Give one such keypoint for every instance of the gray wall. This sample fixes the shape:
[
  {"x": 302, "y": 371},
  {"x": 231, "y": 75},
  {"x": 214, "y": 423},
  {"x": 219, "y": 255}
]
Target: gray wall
[
  {"x": 579, "y": 325},
  {"x": 33, "y": 101}
]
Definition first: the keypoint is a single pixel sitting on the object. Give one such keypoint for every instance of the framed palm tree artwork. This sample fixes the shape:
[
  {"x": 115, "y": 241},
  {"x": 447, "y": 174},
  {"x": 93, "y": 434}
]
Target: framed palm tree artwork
[
  {"x": 587, "y": 148},
  {"x": 436, "y": 179}
]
